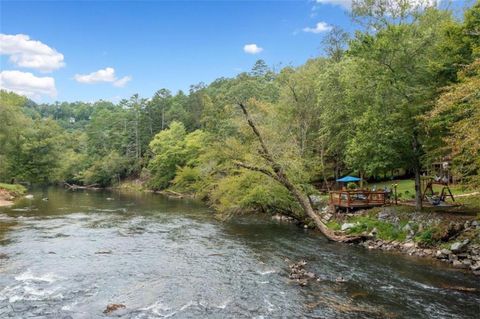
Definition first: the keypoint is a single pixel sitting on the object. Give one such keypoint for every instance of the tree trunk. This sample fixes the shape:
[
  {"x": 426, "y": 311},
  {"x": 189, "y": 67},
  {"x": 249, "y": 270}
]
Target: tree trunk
[
  {"x": 418, "y": 190},
  {"x": 416, "y": 170},
  {"x": 323, "y": 169},
  {"x": 163, "y": 117},
  {"x": 278, "y": 174}
]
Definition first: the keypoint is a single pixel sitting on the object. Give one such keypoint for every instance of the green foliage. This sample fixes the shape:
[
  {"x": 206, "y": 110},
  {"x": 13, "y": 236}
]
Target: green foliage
[
  {"x": 13, "y": 124},
  {"x": 167, "y": 147},
  {"x": 334, "y": 225},
  {"x": 426, "y": 238},
  {"x": 36, "y": 153},
  {"x": 249, "y": 191},
  {"x": 458, "y": 110},
  {"x": 187, "y": 178},
  {"x": 107, "y": 170},
  {"x": 352, "y": 186},
  {"x": 385, "y": 230},
  {"x": 173, "y": 148},
  {"x": 373, "y": 149}
]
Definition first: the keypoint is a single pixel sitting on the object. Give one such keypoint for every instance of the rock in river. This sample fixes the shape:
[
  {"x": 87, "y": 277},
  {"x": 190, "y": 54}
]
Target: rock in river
[
  {"x": 112, "y": 307},
  {"x": 299, "y": 274}
]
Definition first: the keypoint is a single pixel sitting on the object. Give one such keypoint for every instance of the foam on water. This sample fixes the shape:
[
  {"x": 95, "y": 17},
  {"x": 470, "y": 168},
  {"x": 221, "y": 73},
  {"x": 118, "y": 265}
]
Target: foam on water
[
  {"x": 224, "y": 304},
  {"x": 270, "y": 306},
  {"x": 108, "y": 210},
  {"x": 27, "y": 291},
  {"x": 266, "y": 272},
  {"x": 158, "y": 308},
  {"x": 24, "y": 209},
  {"x": 30, "y": 276}
]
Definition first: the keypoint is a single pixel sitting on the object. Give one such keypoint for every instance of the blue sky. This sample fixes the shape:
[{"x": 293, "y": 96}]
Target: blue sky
[{"x": 148, "y": 45}]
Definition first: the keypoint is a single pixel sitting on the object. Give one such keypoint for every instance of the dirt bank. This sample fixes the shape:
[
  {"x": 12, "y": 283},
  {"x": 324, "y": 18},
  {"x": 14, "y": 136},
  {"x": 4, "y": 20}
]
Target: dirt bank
[
  {"x": 8, "y": 193},
  {"x": 6, "y": 198}
]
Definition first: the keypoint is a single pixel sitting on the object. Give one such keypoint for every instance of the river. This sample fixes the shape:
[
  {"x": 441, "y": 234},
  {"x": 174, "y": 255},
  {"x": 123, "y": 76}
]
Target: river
[{"x": 71, "y": 255}]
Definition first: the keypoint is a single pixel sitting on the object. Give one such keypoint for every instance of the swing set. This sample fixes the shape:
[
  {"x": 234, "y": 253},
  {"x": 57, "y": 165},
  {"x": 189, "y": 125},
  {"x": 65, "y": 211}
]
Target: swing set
[{"x": 435, "y": 198}]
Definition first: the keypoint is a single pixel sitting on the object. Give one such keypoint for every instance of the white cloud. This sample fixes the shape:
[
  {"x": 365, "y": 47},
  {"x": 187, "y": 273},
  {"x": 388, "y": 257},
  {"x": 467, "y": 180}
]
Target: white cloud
[
  {"x": 122, "y": 82},
  {"x": 28, "y": 53},
  {"x": 347, "y": 4},
  {"x": 319, "y": 28},
  {"x": 25, "y": 83},
  {"x": 103, "y": 75},
  {"x": 252, "y": 48}
]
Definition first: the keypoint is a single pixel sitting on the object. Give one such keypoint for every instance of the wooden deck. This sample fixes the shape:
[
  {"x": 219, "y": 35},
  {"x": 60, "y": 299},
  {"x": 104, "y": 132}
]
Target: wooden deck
[{"x": 358, "y": 198}]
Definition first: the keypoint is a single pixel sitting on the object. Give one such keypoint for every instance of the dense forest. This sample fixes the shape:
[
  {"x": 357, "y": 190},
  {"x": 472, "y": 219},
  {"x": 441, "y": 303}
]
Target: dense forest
[{"x": 395, "y": 96}]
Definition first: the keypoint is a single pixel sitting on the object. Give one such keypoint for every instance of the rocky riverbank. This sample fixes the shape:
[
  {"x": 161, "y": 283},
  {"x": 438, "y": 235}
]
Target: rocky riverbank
[
  {"x": 453, "y": 238},
  {"x": 460, "y": 255}
]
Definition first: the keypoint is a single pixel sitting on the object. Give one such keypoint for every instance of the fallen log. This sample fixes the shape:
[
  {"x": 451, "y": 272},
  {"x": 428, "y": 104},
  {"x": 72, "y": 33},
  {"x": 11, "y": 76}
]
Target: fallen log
[
  {"x": 459, "y": 288},
  {"x": 170, "y": 193},
  {"x": 75, "y": 186}
]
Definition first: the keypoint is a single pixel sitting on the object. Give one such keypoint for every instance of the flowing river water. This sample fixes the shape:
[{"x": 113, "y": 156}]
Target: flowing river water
[{"x": 71, "y": 255}]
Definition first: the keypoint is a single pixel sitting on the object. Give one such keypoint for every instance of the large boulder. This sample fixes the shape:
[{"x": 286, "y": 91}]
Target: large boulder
[
  {"x": 327, "y": 217},
  {"x": 383, "y": 215},
  {"x": 315, "y": 200},
  {"x": 347, "y": 226},
  {"x": 443, "y": 254},
  {"x": 459, "y": 264},
  {"x": 407, "y": 228},
  {"x": 475, "y": 266},
  {"x": 374, "y": 232},
  {"x": 459, "y": 246}
]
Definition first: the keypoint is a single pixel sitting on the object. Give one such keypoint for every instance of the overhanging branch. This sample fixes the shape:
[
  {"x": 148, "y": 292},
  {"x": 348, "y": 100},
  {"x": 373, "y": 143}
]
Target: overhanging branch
[{"x": 262, "y": 170}]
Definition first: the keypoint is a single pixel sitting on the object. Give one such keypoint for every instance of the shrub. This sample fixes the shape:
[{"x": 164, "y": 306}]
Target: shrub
[
  {"x": 426, "y": 238},
  {"x": 106, "y": 171},
  {"x": 385, "y": 230},
  {"x": 186, "y": 178},
  {"x": 352, "y": 186}
]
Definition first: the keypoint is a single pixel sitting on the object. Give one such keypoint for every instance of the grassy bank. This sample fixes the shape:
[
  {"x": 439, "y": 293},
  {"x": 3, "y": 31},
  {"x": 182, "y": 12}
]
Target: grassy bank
[
  {"x": 8, "y": 192},
  {"x": 406, "y": 188},
  {"x": 14, "y": 189}
]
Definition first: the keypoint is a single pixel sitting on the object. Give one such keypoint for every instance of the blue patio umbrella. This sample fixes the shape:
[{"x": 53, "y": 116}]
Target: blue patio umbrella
[{"x": 348, "y": 179}]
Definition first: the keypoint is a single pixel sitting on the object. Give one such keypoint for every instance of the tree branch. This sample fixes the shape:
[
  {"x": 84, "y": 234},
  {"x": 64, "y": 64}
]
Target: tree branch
[
  {"x": 265, "y": 153},
  {"x": 262, "y": 170}
]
